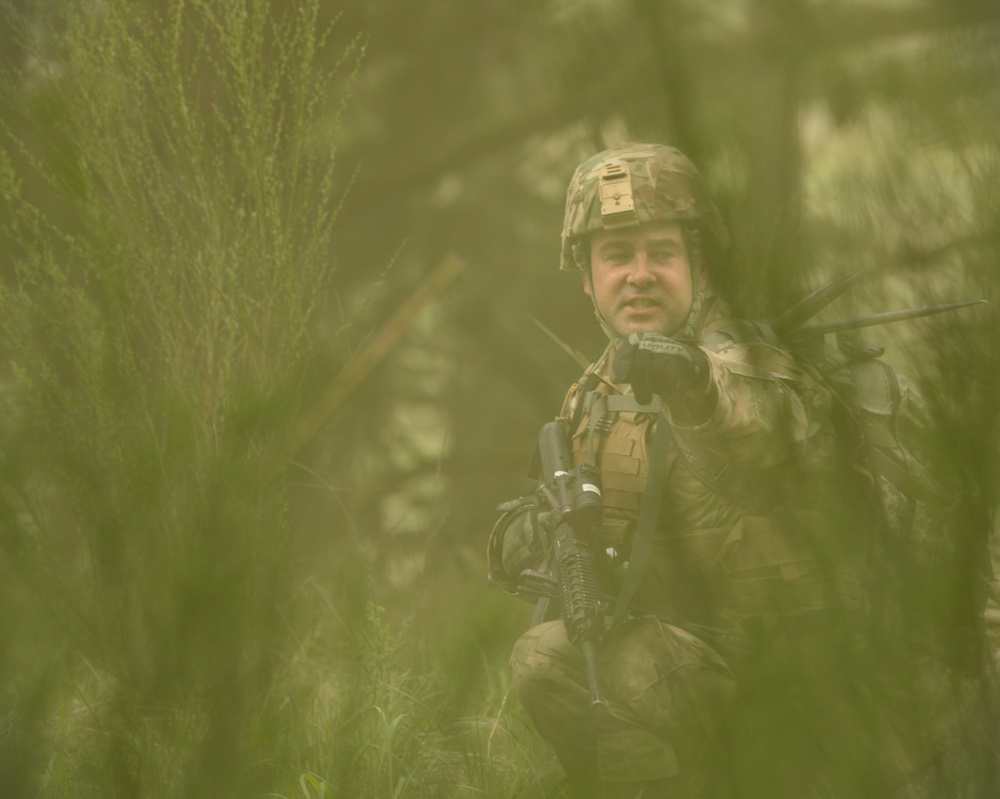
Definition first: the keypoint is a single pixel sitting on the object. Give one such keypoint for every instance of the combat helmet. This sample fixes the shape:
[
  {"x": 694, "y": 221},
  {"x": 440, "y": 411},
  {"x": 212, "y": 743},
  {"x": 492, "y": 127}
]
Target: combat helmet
[{"x": 633, "y": 184}]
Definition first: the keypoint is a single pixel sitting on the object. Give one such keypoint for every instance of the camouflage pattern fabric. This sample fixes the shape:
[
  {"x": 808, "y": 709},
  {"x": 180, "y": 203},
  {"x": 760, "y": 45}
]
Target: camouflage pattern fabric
[
  {"x": 665, "y": 187},
  {"x": 776, "y": 581},
  {"x": 664, "y": 687},
  {"x": 718, "y": 560}
]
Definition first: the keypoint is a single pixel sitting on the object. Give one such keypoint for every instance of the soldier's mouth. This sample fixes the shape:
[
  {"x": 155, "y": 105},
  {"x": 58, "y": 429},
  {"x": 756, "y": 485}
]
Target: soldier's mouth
[{"x": 641, "y": 304}]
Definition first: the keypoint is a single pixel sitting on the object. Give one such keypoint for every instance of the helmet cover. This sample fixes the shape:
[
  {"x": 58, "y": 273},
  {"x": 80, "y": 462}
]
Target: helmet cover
[{"x": 635, "y": 184}]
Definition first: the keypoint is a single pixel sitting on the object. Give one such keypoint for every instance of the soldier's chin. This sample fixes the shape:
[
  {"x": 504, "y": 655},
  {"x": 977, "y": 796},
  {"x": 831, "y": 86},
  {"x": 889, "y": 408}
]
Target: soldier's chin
[{"x": 642, "y": 323}]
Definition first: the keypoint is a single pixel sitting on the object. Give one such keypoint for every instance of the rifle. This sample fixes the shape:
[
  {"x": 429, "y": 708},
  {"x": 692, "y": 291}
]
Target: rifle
[{"x": 573, "y": 497}]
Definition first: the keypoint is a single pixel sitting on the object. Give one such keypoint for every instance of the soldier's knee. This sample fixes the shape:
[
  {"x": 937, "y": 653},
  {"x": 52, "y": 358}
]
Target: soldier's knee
[{"x": 541, "y": 659}]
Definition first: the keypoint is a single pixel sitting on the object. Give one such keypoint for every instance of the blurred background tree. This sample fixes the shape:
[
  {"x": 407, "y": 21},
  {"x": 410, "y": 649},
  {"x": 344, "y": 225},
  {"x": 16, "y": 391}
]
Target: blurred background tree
[{"x": 210, "y": 208}]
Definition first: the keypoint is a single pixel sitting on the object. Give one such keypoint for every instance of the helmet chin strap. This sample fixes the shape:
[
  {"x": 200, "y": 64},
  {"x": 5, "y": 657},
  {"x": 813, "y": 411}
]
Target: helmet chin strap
[
  {"x": 608, "y": 331},
  {"x": 687, "y": 330}
]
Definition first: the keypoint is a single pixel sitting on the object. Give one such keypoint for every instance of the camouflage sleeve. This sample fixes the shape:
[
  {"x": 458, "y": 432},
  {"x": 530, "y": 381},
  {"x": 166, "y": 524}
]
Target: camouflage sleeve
[{"x": 768, "y": 412}]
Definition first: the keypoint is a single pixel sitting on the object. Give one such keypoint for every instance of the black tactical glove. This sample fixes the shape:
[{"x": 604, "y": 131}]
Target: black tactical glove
[{"x": 655, "y": 364}]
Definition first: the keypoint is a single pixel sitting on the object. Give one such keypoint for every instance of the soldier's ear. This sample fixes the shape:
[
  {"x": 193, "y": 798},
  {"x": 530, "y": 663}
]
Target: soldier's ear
[{"x": 586, "y": 282}]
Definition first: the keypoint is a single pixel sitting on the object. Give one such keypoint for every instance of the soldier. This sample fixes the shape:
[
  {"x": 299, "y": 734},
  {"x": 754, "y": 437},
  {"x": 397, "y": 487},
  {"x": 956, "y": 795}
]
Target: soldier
[{"x": 731, "y": 584}]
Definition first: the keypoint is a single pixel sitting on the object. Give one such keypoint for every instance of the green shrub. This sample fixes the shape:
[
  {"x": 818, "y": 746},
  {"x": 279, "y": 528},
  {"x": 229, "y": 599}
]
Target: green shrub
[{"x": 169, "y": 186}]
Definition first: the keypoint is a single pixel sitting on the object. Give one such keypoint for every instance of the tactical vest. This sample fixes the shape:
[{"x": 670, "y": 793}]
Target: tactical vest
[
  {"x": 612, "y": 432},
  {"x": 726, "y": 557}
]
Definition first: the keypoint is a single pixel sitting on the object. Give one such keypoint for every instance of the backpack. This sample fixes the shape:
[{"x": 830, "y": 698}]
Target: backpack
[
  {"x": 926, "y": 567},
  {"x": 925, "y": 562}
]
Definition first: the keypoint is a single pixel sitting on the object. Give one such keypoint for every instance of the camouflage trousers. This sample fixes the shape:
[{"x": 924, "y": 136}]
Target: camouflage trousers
[
  {"x": 795, "y": 716},
  {"x": 664, "y": 687}
]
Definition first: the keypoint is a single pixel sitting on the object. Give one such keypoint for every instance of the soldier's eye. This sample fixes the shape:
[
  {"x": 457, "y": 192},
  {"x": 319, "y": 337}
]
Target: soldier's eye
[{"x": 663, "y": 256}]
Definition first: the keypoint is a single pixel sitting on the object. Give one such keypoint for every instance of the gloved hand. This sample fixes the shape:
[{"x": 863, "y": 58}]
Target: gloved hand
[{"x": 655, "y": 364}]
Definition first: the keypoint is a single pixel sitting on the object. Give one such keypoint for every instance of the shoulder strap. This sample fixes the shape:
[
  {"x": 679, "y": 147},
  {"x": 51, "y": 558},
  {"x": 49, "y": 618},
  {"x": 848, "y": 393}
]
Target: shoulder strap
[
  {"x": 722, "y": 333},
  {"x": 720, "y": 474}
]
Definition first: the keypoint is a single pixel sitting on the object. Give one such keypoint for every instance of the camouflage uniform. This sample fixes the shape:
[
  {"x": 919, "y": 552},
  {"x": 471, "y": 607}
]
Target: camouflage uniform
[
  {"x": 747, "y": 567},
  {"x": 744, "y": 570}
]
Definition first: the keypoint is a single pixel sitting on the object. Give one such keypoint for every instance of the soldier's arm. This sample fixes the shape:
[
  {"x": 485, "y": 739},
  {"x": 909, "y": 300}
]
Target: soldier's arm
[
  {"x": 517, "y": 542},
  {"x": 761, "y": 408},
  {"x": 749, "y": 402}
]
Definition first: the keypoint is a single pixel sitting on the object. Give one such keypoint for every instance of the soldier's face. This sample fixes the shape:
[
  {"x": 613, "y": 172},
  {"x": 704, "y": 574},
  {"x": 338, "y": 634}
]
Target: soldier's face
[{"x": 640, "y": 278}]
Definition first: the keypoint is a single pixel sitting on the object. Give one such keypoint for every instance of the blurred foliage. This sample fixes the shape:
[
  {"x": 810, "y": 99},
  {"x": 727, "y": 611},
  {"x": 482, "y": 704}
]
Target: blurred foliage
[{"x": 210, "y": 207}]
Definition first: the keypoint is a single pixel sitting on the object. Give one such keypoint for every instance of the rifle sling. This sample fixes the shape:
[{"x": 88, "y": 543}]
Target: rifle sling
[{"x": 720, "y": 474}]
